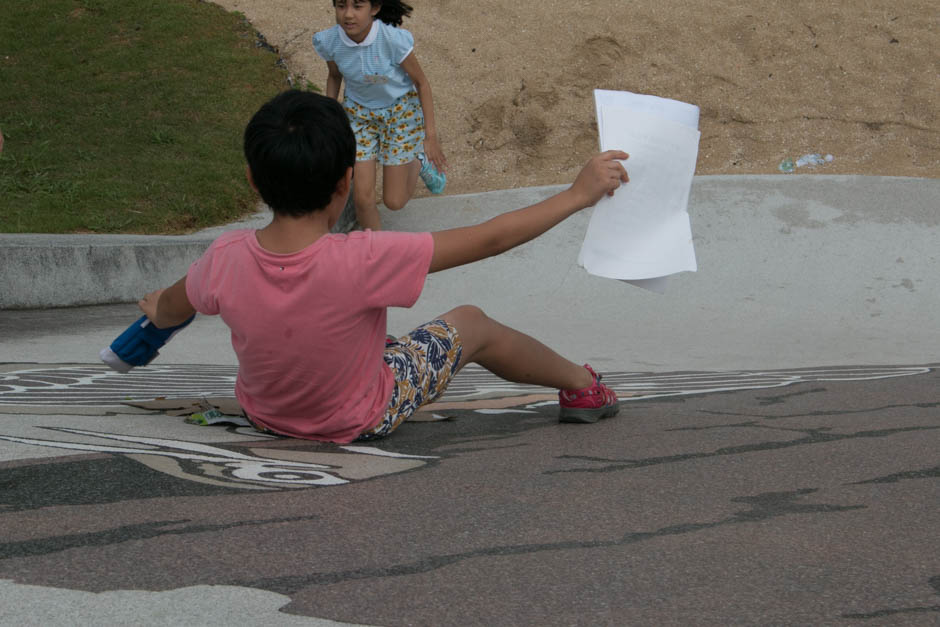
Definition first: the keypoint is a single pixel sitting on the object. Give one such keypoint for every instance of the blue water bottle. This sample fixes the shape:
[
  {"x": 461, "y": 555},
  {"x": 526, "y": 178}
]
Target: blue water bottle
[{"x": 139, "y": 344}]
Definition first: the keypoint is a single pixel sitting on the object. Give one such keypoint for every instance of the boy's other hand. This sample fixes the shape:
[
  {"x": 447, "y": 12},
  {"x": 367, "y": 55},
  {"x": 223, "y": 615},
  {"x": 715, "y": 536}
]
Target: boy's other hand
[
  {"x": 603, "y": 174},
  {"x": 148, "y": 304},
  {"x": 167, "y": 307}
]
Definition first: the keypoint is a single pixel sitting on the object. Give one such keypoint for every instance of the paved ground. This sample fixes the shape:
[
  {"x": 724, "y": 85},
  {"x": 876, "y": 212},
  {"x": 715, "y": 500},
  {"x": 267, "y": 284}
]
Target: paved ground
[{"x": 774, "y": 462}]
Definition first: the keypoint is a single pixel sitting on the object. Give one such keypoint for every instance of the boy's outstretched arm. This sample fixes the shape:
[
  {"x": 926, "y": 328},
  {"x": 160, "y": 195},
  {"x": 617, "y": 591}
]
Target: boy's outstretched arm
[
  {"x": 455, "y": 247},
  {"x": 167, "y": 307}
]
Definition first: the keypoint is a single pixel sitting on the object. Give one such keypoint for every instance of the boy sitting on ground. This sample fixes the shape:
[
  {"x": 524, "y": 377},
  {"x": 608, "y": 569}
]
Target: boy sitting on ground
[{"x": 307, "y": 307}]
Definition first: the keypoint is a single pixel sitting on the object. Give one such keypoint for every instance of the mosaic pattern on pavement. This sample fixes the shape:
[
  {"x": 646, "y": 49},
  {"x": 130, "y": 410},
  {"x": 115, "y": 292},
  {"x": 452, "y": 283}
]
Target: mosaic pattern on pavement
[{"x": 803, "y": 496}]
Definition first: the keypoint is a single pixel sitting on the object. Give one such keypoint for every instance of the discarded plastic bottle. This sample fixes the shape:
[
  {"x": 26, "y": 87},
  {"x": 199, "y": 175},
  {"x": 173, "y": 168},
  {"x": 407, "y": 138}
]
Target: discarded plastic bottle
[
  {"x": 813, "y": 159},
  {"x": 786, "y": 165}
]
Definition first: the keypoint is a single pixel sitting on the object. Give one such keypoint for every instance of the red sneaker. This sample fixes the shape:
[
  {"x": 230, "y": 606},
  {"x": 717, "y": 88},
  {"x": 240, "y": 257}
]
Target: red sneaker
[{"x": 587, "y": 404}]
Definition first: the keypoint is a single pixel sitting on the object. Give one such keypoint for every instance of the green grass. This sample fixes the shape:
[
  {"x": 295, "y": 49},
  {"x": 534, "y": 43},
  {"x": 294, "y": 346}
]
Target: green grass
[{"x": 126, "y": 116}]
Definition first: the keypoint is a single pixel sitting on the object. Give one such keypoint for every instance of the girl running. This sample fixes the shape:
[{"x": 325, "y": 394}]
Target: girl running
[{"x": 388, "y": 101}]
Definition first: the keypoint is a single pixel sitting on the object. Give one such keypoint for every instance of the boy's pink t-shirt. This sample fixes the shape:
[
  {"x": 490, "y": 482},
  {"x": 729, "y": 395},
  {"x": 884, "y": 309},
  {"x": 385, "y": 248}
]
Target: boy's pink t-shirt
[{"x": 309, "y": 327}]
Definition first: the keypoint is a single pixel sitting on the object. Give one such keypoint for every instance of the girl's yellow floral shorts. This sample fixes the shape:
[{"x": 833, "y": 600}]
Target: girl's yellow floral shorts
[
  {"x": 393, "y": 134},
  {"x": 423, "y": 362}
]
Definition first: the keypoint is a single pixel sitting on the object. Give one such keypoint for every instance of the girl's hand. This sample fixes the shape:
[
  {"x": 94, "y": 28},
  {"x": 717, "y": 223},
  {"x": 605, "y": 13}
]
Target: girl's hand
[
  {"x": 432, "y": 148},
  {"x": 603, "y": 174}
]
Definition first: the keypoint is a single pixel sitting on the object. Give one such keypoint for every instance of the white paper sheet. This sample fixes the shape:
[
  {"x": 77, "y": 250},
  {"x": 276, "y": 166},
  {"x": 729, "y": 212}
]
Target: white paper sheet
[{"x": 642, "y": 233}]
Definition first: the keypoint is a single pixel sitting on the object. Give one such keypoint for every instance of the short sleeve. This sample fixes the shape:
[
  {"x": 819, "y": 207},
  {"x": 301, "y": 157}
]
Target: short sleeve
[
  {"x": 202, "y": 280},
  {"x": 322, "y": 44},
  {"x": 395, "y": 266},
  {"x": 402, "y": 42},
  {"x": 197, "y": 285}
]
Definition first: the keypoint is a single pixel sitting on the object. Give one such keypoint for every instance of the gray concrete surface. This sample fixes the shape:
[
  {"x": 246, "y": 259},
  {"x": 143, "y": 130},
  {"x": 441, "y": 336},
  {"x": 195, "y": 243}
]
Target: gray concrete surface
[
  {"x": 802, "y": 270},
  {"x": 730, "y": 490},
  {"x": 748, "y": 498}
]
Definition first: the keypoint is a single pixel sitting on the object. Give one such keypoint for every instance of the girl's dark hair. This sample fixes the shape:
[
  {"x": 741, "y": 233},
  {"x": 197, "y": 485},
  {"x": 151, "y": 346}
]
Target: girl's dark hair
[{"x": 392, "y": 11}]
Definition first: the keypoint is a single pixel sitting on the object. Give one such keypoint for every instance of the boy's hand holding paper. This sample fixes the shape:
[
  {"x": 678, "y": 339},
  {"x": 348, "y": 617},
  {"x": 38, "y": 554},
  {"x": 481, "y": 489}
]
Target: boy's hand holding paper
[{"x": 602, "y": 175}]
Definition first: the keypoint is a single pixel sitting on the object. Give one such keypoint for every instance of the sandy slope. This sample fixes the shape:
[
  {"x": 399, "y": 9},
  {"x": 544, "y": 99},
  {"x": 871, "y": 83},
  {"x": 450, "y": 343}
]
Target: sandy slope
[{"x": 512, "y": 81}]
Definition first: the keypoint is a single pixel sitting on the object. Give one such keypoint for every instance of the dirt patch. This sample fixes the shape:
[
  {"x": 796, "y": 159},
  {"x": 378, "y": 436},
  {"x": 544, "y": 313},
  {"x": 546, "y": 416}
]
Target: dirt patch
[{"x": 513, "y": 82}]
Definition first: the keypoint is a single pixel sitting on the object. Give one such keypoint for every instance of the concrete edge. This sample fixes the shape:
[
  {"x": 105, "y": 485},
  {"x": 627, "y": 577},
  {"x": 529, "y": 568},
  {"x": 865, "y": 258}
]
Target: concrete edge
[{"x": 42, "y": 270}]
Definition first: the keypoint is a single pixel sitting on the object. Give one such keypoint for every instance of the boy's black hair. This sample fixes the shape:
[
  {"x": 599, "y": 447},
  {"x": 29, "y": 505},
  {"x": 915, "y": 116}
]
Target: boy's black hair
[
  {"x": 392, "y": 12},
  {"x": 298, "y": 146}
]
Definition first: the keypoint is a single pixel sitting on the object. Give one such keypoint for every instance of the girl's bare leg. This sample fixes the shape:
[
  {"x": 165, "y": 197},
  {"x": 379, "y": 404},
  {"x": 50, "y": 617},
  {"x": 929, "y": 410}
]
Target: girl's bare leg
[
  {"x": 367, "y": 211},
  {"x": 511, "y": 354},
  {"x": 398, "y": 184}
]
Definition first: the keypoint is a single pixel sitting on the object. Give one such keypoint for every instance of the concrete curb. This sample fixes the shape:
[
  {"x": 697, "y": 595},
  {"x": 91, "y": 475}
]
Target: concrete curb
[
  {"x": 41, "y": 271},
  {"x": 67, "y": 270}
]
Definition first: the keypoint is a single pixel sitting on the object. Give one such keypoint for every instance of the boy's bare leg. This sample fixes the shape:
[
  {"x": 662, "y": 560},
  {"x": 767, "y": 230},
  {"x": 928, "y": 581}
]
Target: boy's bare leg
[
  {"x": 511, "y": 354},
  {"x": 398, "y": 184},
  {"x": 367, "y": 211}
]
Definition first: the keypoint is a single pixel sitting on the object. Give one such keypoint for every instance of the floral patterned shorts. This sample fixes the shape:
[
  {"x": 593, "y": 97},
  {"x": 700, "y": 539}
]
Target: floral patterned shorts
[
  {"x": 423, "y": 363},
  {"x": 393, "y": 134}
]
